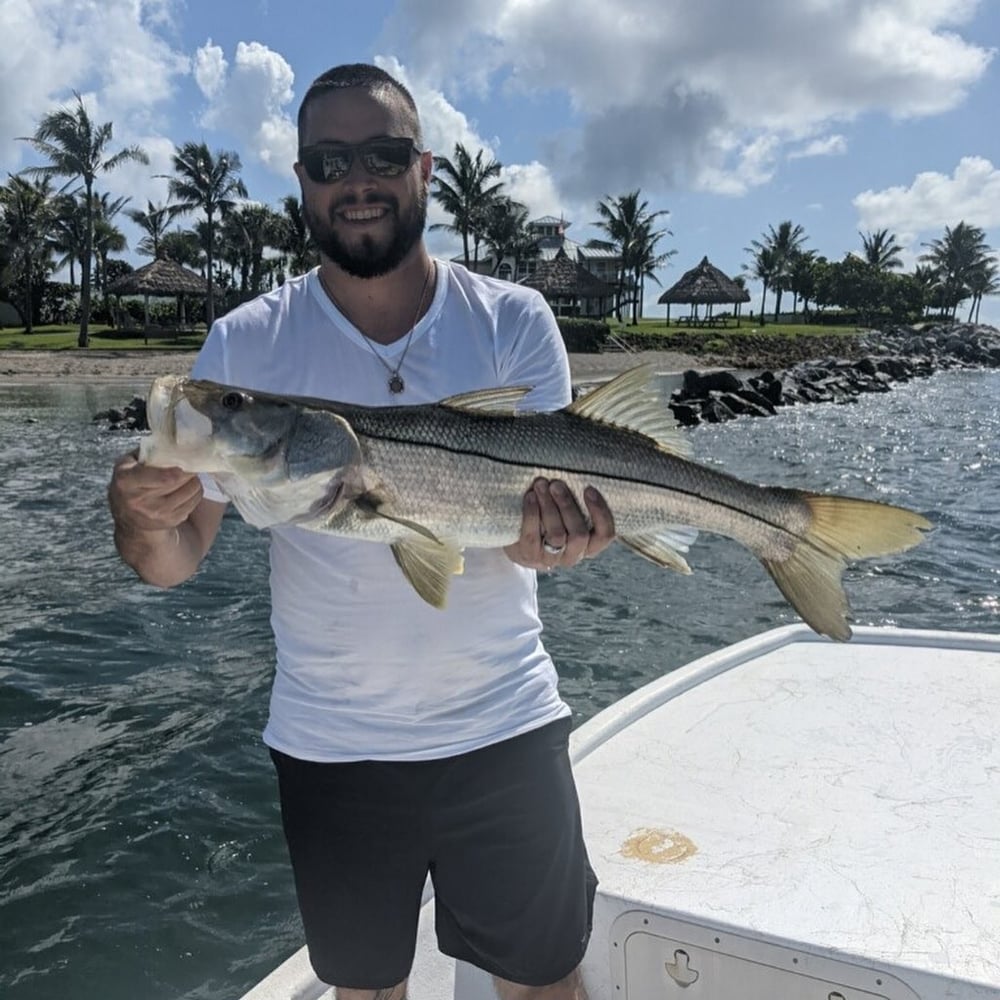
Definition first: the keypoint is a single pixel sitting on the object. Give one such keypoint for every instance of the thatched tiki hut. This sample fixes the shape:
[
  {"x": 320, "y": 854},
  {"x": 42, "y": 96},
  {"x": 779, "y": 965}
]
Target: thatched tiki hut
[
  {"x": 569, "y": 288},
  {"x": 708, "y": 286},
  {"x": 161, "y": 279}
]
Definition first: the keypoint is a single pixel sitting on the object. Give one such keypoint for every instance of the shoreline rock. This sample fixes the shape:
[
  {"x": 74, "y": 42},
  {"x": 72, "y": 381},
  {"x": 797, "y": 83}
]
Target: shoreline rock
[
  {"x": 712, "y": 390},
  {"x": 886, "y": 357}
]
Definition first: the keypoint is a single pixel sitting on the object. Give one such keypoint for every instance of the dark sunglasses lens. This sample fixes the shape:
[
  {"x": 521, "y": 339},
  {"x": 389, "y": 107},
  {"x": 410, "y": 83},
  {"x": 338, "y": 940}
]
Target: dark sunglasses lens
[
  {"x": 324, "y": 166},
  {"x": 387, "y": 158}
]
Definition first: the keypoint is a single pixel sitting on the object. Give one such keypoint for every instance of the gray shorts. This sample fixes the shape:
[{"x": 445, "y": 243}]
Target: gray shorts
[{"x": 498, "y": 829}]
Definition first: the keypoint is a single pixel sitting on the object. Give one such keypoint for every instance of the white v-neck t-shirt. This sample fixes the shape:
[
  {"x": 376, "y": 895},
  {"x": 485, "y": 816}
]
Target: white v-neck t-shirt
[{"x": 365, "y": 668}]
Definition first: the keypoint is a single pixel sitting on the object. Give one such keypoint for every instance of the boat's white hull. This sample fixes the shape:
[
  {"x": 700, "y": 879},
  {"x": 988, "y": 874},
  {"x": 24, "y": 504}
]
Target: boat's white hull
[{"x": 787, "y": 817}]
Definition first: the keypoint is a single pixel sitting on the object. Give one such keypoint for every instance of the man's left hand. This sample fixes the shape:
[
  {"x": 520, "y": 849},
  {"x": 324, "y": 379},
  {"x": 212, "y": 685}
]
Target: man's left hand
[{"x": 554, "y": 529}]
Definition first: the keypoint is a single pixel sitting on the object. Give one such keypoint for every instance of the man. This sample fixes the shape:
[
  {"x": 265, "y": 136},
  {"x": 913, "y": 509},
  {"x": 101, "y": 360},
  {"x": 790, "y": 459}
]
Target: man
[{"x": 407, "y": 740}]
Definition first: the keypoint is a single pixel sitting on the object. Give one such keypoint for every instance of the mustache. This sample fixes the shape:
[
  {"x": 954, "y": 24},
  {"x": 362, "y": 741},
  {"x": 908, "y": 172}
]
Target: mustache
[{"x": 370, "y": 200}]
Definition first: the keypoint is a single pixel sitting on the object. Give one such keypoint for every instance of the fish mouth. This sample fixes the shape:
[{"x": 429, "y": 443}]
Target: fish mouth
[
  {"x": 160, "y": 404},
  {"x": 180, "y": 434}
]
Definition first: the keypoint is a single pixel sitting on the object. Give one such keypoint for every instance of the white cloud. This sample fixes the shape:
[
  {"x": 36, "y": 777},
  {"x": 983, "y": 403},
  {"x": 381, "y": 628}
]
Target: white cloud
[
  {"x": 704, "y": 96},
  {"x": 210, "y": 70},
  {"x": 248, "y": 100},
  {"x": 53, "y": 47},
  {"x": 935, "y": 200},
  {"x": 830, "y": 145}
]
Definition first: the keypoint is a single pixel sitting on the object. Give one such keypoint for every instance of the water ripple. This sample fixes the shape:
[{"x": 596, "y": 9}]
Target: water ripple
[{"x": 140, "y": 846}]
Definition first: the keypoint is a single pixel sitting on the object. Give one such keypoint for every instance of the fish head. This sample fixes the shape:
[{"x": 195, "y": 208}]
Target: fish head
[{"x": 203, "y": 426}]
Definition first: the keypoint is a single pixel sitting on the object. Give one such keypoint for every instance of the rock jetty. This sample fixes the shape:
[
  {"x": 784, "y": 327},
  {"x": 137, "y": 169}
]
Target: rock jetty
[{"x": 885, "y": 357}]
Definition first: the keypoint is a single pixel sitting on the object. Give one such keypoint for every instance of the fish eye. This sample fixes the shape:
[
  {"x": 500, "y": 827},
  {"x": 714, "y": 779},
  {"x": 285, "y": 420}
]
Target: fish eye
[{"x": 232, "y": 400}]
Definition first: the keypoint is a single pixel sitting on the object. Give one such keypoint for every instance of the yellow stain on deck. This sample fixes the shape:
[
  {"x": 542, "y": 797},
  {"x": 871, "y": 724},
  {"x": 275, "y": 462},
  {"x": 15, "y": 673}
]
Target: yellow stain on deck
[{"x": 659, "y": 847}]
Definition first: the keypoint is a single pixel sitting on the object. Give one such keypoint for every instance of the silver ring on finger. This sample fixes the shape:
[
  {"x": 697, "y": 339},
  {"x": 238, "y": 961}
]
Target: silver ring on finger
[{"x": 554, "y": 550}]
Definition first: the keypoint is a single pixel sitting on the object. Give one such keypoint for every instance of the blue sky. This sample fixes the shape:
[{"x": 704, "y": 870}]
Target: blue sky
[{"x": 841, "y": 115}]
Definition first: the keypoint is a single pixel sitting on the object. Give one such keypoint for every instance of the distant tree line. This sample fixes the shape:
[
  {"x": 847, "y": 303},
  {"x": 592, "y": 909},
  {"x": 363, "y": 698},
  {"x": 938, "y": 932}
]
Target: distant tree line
[
  {"x": 956, "y": 268},
  {"x": 245, "y": 247}
]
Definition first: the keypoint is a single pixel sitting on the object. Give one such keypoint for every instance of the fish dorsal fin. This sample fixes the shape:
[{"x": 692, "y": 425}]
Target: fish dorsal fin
[
  {"x": 429, "y": 566},
  {"x": 502, "y": 400},
  {"x": 630, "y": 400}
]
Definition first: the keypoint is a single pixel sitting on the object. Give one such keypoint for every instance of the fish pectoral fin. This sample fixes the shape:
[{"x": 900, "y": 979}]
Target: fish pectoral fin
[
  {"x": 374, "y": 506},
  {"x": 502, "y": 400},
  {"x": 429, "y": 566},
  {"x": 665, "y": 547},
  {"x": 630, "y": 400}
]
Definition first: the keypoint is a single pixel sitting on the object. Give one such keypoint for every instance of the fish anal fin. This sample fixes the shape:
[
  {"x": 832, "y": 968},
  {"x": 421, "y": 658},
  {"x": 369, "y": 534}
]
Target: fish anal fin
[
  {"x": 631, "y": 400},
  {"x": 664, "y": 547},
  {"x": 500, "y": 400},
  {"x": 428, "y": 566}
]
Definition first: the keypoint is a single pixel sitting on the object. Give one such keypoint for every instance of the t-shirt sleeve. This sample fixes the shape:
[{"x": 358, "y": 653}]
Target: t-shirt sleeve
[{"x": 534, "y": 353}]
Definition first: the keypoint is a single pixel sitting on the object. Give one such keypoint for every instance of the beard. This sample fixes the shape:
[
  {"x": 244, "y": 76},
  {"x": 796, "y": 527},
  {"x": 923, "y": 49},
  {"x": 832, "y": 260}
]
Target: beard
[{"x": 370, "y": 258}]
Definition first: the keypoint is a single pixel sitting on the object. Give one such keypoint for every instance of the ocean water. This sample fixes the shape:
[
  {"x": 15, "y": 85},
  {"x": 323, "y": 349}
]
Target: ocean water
[{"x": 140, "y": 846}]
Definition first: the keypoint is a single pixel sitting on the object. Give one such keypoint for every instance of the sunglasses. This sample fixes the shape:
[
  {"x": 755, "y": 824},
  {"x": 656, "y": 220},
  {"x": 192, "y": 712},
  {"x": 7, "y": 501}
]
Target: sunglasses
[{"x": 327, "y": 162}]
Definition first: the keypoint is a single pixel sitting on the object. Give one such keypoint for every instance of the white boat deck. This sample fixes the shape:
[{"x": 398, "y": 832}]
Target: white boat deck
[{"x": 788, "y": 817}]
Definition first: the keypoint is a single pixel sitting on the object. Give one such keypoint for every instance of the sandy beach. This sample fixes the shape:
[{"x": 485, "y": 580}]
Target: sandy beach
[{"x": 130, "y": 366}]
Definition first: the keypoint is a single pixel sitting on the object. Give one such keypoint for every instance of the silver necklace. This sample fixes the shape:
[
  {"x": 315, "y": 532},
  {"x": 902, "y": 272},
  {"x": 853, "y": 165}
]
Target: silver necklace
[{"x": 395, "y": 383}]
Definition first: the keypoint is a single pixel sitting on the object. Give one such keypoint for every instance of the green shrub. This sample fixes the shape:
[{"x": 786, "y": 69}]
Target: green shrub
[{"x": 583, "y": 336}]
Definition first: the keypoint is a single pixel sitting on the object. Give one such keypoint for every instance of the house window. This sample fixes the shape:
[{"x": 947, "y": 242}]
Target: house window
[{"x": 504, "y": 271}]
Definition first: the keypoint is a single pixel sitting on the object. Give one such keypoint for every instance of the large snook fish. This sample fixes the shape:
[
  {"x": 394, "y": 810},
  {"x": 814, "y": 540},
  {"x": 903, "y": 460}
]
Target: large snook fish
[{"x": 430, "y": 480}]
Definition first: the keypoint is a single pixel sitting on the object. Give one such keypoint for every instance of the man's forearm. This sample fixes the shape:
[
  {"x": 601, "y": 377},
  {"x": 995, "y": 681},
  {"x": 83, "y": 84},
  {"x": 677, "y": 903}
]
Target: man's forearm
[{"x": 162, "y": 558}]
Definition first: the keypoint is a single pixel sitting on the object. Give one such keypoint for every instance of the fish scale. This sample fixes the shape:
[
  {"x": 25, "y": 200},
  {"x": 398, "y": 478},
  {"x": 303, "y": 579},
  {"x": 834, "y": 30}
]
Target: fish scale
[{"x": 430, "y": 480}]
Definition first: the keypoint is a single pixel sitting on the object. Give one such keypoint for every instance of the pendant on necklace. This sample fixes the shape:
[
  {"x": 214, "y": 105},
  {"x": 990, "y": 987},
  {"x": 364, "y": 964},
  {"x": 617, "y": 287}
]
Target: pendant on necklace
[{"x": 396, "y": 383}]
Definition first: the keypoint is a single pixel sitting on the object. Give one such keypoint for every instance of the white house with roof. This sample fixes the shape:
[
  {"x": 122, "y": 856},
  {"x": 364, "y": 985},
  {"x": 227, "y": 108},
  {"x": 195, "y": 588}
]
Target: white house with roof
[{"x": 553, "y": 245}]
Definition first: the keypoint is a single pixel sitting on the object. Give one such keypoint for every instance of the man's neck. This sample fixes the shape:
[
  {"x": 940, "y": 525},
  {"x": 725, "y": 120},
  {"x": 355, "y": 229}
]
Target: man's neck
[{"x": 389, "y": 306}]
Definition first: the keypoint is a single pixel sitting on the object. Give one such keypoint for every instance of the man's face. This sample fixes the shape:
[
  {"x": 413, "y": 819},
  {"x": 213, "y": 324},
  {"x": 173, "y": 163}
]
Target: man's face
[{"x": 364, "y": 223}]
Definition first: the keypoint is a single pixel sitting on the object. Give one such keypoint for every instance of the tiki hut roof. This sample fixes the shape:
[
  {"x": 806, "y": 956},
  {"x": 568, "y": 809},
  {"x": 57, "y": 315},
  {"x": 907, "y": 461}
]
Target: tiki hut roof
[
  {"x": 705, "y": 284},
  {"x": 563, "y": 277},
  {"x": 161, "y": 277}
]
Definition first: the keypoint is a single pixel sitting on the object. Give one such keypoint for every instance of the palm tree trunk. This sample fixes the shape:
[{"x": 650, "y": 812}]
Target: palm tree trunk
[
  {"x": 83, "y": 340},
  {"x": 28, "y": 323},
  {"x": 210, "y": 302}
]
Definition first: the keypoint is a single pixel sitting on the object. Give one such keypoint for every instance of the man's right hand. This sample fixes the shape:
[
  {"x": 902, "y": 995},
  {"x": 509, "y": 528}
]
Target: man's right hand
[
  {"x": 146, "y": 498},
  {"x": 164, "y": 525}
]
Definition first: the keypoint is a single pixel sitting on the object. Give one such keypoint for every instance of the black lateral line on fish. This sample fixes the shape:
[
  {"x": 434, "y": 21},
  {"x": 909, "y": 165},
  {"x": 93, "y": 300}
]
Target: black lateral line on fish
[{"x": 589, "y": 473}]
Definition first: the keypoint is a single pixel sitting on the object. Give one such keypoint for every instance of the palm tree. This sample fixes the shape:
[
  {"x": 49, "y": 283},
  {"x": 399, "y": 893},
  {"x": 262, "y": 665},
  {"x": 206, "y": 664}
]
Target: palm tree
[
  {"x": 183, "y": 247},
  {"x": 246, "y": 233},
  {"x": 153, "y": 221},
  {"x": 881, "y": 250},
  {"x": 465, "y": 195},
  {"x": 984, "y": 280},
  {"x": 644, "y": 261},
  {"x": 957, "y": 257},
  {"x": 294, "y": 239},
  {"x": 68, "y": 233},
  {"x": 763, "y": 267},
  {"x": 802, "y": 279},
  {"x": 505, "y": 231},
  {"x": 785, "y": 242},
  {"x": 76, "y": 147},
  {"x": 628, "y": 224},
  {"x": 26, "y": 211},
  {"x": 108, "y": 238},
  {"x": 209, "y": 183}
]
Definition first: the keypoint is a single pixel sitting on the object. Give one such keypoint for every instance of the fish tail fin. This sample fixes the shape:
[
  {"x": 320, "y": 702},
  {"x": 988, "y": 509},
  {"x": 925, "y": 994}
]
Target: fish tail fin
[{"x": 842, "y": 529}]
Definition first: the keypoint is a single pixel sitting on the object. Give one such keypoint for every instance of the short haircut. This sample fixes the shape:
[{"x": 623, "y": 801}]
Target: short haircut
[{"x": 371, "y": 79}]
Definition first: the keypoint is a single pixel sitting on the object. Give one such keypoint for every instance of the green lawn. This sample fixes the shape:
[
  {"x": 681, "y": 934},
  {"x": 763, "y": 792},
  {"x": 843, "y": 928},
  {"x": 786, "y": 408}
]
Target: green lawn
[{"x": 102, "y": 338}]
